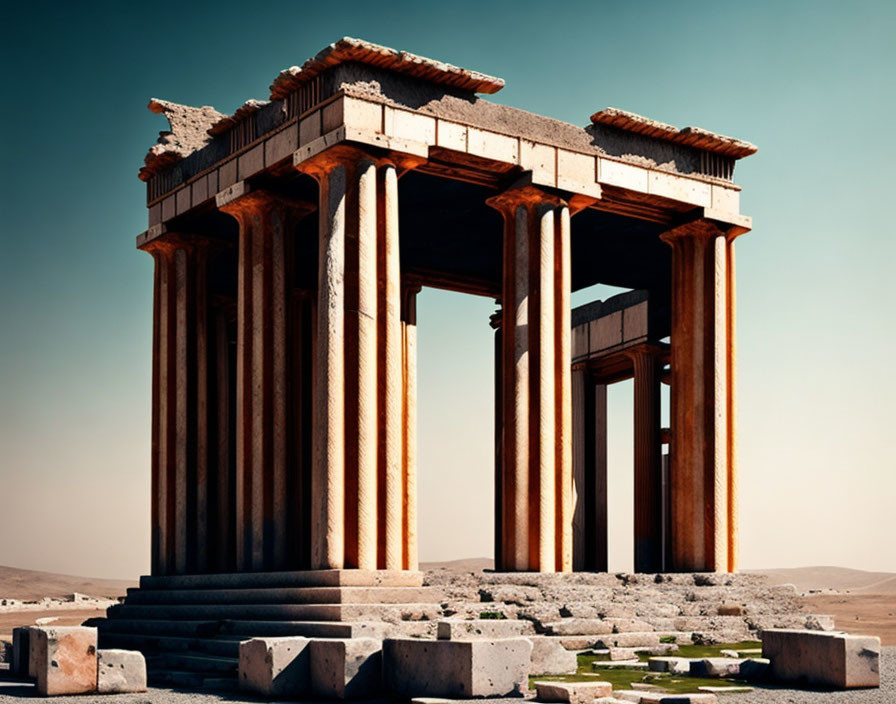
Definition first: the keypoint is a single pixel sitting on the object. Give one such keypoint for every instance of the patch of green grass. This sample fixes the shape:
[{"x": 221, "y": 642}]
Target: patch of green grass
[
  {"x": 492, "y": 615},
  {"x": 622, "y": 678},
  {"x": 714, "y": 651}
]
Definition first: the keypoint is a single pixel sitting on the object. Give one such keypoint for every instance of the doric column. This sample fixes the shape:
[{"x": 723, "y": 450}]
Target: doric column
[
  {"x": 363, "y": 514},
  {"x": 266, "y": 470},
  {"x": 589, "y": 413},
  {"x": 409, "y": 424},
  {"x": 733, "y": 543},
  {"x": 648, "y": 463},
  {"x": 700, "y": 472},
  {"x": 180, "y": 416},
  {"x": 537, "y": 453}
]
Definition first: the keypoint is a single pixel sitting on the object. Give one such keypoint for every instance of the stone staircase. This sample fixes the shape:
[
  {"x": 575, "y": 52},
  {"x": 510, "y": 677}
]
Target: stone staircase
[{"x": 190, "y": 627}]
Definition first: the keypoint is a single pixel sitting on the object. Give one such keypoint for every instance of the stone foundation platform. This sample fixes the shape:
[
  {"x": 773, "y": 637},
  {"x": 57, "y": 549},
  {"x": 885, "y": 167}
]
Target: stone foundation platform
[{"x": 189, "y": 627}]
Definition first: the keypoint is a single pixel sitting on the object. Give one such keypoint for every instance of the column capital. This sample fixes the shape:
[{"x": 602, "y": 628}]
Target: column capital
[
  {"x": 240, "y": 200},
  {"x": 524, "y": 193},
  {"x": 704, "y": 222},
  {"x": 166, "y": 242},
  {"x": 348, "y": 156}
]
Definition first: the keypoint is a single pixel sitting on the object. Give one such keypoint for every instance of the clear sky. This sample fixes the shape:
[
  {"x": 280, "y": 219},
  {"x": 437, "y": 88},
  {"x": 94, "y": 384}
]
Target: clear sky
[{"x": 811, "y": 83}]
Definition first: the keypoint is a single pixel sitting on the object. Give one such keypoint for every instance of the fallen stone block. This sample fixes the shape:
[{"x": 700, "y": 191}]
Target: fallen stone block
[
  {"x": 675, "y": 665},
  {"x": 275, "y": 667},
  {"x": 64, "y": 659},
  {"x": 628, "y": 695},
  {"x": 120, "y": 672},
  {"x": 578, "y": 643},
  {"x": 716, "y": 667},
  {"x": 454, "y": 668},
  {"x": 579, "y": 627},
  {"x": 629, "y": 640},
  {"x": 572, "y": 692},
  {"x": 458, "y": 629},
  {"x": 754, "y": 668},
  {"x": 730, "y": 689},
  {"x": 346, "y": 668},
  {"x": 21, "y": 652},
  {"x": 549, "y": 657},
  {"x": 618, "y": 665},
  {"x": 822, "y": 659}
]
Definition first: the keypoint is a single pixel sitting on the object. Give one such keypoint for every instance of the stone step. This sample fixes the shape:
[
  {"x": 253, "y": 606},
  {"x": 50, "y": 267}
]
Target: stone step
[
  {"x": 248, "y": 628},
  {"x": 272, "y": 580},
  {"x": 285, "y": 595},
  {"x": 274, "y": 612},
  {"x": 221, "y": 646},
  {"x": 204, "y": 664},
  {"x": 191, "y": 680}
]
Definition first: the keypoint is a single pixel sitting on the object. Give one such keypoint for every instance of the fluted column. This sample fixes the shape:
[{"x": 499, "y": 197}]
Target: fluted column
[
  {"x": 699, "y": 473},
  {"x": 266, "y": 469},
  {"x": 409, "y": 425},
  {"x": 180, "y": 416},
  {"x": 363, "y": 496},
  {"x": 537, "y": 455},
  {"x": 648, "y": 466}
]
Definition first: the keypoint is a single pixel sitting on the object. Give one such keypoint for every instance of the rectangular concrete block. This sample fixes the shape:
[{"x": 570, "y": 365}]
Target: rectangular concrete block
[
  {"x": 821, "y": 658},
  {"x": 346, "y": 668},
  {"x": 452, "y": 668},
  {"x": 120, "y": 672},
  {"x": 65, "y": 659},
  {"x": 572, "y": 692},
  {"x": 687, "y": 190},
  {"x": 410, "y": 126},
  {"x": 492, "y": 145},
  {"x": 275, "y": 667},
  {"x": 549, "y": 657},
  {"x": 459, "y": 629}
]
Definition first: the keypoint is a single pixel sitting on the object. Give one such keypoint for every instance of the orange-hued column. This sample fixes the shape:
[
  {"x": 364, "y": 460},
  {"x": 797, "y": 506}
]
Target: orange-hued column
[
  {"x": 266, "y": 466},
  {"x": 536, "y": 386},
  {"x": 180, "y": 414},
  {"x": 409, "y": 426},
  {"x": 363, "y": 483},
  {"x": 732, "y": 411},
  {"x": 647, "y": 465},
  {"x": 701, "y": 394}
]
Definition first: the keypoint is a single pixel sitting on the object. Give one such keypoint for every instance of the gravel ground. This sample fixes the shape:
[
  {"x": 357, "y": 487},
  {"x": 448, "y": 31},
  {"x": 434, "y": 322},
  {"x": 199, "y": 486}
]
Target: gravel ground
[{"x": 13, "y": 692}]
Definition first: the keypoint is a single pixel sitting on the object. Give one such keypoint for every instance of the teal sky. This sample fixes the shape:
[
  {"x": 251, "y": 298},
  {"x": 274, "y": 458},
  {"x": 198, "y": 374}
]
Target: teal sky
[{"x": 811, "y": 83}]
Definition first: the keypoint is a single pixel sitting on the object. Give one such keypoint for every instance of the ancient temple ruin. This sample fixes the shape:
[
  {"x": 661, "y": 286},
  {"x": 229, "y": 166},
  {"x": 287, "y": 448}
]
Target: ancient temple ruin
[{"x": 290, "y": 240}]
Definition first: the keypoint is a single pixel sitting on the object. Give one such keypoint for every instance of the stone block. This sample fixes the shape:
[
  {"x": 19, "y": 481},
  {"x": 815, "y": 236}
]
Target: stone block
[
  {"x": 275, "y": 667},
  {"x": 634, "y": 325},
  {"x": 725, "y": 199},
  {"x": 183, "y": 202},
  {"x": 64, "y": 659},
  {"x": 120, "y": 671},
  {"x": 331, "y": 115},
  {"x": 577, "y": 173},
  {"x": 716, "y": 667},
  {"x": 410, "y": 126},
  {"x": 541, "y": 160},
  {"x": 572, "y": 692},
  {"x": 580, "y": 627},
  {"x": 310, "y": 127},
  {"x": 451, "y": 135},
  {"x": 19, "y": 665},
  {"x": 453, "y": 668},
  {"x": 251, "y": 162},
  {"x": 345, "y": 668},
  {"x": 549, "y": 657},
  {"x": 617, "y": 173},
  {"x": 281, "y": 145},
  {"x": 680, "y": 188},
  {"x": 459, "y": 629},
  {"x": 678, "y": 666},
  {"x": 492, "y": 145},
  {"x": 822, "y": 659},
  {"x": 606, "y": 331},
  {"x": 664, "y": 697},
  {"x": 754, "y": 668}
]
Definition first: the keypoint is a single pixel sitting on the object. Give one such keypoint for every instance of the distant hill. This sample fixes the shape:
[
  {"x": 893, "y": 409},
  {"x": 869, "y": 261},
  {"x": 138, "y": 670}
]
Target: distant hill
[
  {"x": 29, "y": 585},
  {"x": 839, "y": 578},
  {"x": 472, "y": 564}
]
